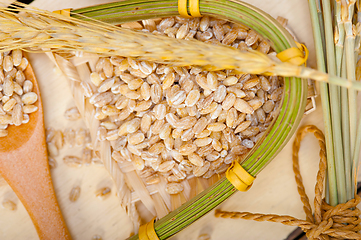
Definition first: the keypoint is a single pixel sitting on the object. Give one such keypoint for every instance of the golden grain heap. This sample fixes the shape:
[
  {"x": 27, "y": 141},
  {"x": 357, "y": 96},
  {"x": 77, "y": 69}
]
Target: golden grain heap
[
  {"x": 179, "y": 122},
  {"x": 16, "y": 94}
]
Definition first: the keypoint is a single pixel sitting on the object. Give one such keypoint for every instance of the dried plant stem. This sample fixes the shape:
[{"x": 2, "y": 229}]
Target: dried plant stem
[
  {"x": 351, "y": 76},
  {"x": 325, "y": 104},
  {"x": 335, "y": 105},
  {"x": 339, "y": 38},
  {"x": 346, "y": 132},
  {"x": 57, "y": 32}
]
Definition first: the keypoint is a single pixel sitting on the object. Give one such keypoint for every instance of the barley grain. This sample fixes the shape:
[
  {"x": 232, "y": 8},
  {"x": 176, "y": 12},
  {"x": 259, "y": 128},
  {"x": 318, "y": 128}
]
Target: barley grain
[
  {"x": 73, "y": 161},
  {"x": 8, "y": 204},
  {"x": 74, "y": 194}
]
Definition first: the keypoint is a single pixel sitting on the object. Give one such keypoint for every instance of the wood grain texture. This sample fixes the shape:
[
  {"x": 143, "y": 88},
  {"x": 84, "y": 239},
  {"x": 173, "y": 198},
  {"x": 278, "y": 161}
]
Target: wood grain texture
[{"x": 274, "y": 190}]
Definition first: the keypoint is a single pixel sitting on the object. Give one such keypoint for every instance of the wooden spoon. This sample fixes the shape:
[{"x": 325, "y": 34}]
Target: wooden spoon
[{"x": 24, "y": 165}]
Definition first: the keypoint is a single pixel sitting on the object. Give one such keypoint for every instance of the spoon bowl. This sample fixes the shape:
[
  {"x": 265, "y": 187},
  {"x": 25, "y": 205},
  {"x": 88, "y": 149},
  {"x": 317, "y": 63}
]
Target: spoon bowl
[{"x": 24, "y": 165}]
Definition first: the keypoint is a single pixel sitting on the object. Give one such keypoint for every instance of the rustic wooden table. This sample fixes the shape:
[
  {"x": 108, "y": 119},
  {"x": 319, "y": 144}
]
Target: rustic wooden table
[{"x": 274, "y": 190}]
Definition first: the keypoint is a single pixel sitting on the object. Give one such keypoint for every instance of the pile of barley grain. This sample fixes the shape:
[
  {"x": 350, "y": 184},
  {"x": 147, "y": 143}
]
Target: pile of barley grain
[
  {"x": 175, "y": 122},
  {"x": 16, "y": 94}
]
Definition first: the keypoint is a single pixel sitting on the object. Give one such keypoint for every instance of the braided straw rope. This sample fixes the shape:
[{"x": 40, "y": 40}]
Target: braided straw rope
[{"x": 340, "y": 222}]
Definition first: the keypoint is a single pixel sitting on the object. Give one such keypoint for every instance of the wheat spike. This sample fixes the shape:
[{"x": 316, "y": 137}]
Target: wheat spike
[{"x": 34, "y": 29}]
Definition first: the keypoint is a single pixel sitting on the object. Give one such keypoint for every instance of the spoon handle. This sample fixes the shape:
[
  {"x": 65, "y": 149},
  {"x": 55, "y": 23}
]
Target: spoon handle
[{"x": 27, "y": 172}]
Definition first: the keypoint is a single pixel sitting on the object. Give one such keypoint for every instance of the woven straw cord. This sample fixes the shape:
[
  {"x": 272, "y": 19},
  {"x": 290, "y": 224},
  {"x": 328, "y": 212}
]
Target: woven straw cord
[{"x": 340, "y": 222}]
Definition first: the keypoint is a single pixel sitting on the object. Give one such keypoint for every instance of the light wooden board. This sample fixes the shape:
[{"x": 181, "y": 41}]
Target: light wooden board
[{"x": 274, "y": 190}]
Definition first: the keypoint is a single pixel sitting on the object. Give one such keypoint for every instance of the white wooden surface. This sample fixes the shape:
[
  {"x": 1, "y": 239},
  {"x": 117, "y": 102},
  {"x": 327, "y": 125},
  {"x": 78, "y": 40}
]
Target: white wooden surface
[{"x": 274, "y": 190}]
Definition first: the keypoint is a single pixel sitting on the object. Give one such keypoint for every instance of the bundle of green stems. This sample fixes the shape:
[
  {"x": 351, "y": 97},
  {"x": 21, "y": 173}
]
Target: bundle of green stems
[{"x": 337, "y": 40}]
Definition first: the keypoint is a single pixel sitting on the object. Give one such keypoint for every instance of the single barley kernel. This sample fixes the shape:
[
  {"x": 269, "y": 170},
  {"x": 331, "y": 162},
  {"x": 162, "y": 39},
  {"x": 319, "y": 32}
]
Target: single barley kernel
[
  {"x": 5, "y": 119},
  {"x": 103, "y": 193},
  {"x": 252, "y": 38},
  {"x": 230, "y": 37},
  {"x": 248, "y": 143},
  {"x": 8, "y": 63},
  {"x": 18, "y": 89},
  {"x": 195, "y": 159},
  {"x": 204, "y": 23},
  {"x": 106, "y": 85},
  {"x": 166, "y": 166},
  {"x": 264, "y": 47},
  {"x": 23, "y": 64},
  {"x": 265, "y": 84},
  {"x": 204, "y": 133},
  {"x": 187, "y": 149},
  {"x": 229, "y": 101},
  {"x": 73, "y": 161},
  {"x": 69, "y": 137},
  {"x": 182, "y": 112},
  {"x": 95, "y": 78},
  {"x": 229, "y": 81},
  {"x": 8, "y": 204},
  {"x": 200, "y": 125},
  {"x": 177, "y": 133},
  {"x": 242, "y": 126},
  {"x": 200, "y": 171},
  {"x": 220, "y": 93},
  {"x": 29, "y": 98},
  {"x": 216, "y": 127},
  {"x": 187, "y": 135},
  {"x": 3, "y": 132},
  {"x": 218, "y": 31},
  {"x": 174, "y": 188},
  {"x": 232, "y": 115},
  {"x": 255, "y": 103},
  {"x": 242, "y": 106},
  {"x": 201, "y": 142},
  {"x": 216, "y": 144},
  {"x": 72, "y": 114},
  {"x": 133, "y": 125},
  {"x": 159, "y": 111},
  {"x": 145, "y": 123},
  {"x": 52, "y": 163},
  {"x": 165, "y": 131},
  {"x": 213, "y": 156},
  {"x": 17, "y": 115},
  {"x": 50, "y": 133},
  {"x": 87, "y": 156},
  {"x": 17, "y": 56},
  {"x": 8, "y": 87},
  {"x": 80, "y": 136},
  {"x": 156, "y": 93},
  {"x": 8, "y": 106},
  {"x": 136, "y": 138},
  {"x": 154, "y": 179},
  {"x": 212, "y": 80},
  {"x": 112, "y": 135},
  {"x": 138, "y": 162},
  {"x": 192, "y": 98},
  {"x": 74, "y": 194}
]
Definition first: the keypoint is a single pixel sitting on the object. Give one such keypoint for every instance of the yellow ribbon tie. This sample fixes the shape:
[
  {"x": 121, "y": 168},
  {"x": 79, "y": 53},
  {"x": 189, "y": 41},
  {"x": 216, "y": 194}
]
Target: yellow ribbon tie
[
  {"x": 65, "y": 12},
  {"x": 193, "y": 8},
  {"x": 239, "y": 177},
  {"x": 293, "y": 55},
  {"x": 147, "y": 232}
]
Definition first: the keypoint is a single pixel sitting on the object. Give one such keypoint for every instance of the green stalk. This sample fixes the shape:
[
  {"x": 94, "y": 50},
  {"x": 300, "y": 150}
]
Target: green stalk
[
  {"x": 346, "y": 134},
  {"x": 341, "y": 71},
  {"x": 322, "y": 25},
  {"x": 350, "y": 68},
  {"x": 339, "y": 38},
  {"x": 335, "y": 105},
  {"x": 333, "y": 200}
]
